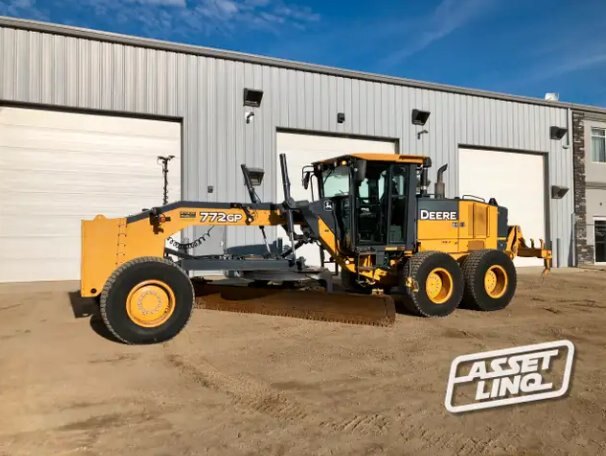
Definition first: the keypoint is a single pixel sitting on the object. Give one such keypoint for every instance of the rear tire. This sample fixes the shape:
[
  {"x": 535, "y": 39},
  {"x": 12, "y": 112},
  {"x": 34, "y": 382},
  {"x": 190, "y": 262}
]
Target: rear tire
[
  {"x": 437, "y": 283},
  {"x": 147, "y": 300},
  {"x": 490, "y": 280}
]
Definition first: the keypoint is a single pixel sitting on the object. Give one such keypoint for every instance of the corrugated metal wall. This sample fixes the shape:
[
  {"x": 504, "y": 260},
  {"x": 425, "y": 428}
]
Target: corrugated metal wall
[{"x": 207, "y": 93}]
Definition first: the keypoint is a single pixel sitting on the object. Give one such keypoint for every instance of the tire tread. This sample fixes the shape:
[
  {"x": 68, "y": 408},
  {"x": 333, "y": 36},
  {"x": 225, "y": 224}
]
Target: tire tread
[
  {"x": 114, "y": 276},
  {"x": 412, "y": 267},
  {"x": 470, "y": 267}
]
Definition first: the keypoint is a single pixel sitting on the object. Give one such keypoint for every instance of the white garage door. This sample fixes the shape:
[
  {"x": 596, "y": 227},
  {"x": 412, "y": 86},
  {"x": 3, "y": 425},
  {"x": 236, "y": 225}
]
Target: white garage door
[
  {"x": 516, "y": 180},
  {"x": 57, "y": 168},
  {"x": 303, "y": 149}
]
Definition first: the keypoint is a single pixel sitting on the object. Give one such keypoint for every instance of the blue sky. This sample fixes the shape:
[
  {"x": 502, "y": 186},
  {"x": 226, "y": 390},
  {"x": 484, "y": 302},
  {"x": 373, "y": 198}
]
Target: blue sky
[{"x": 525, "y": 47}]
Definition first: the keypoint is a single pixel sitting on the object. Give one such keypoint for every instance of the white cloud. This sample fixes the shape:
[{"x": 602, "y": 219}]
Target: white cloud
[
  {"x": 263, "y": 14},
  {"x": 565, "y": 64},
  {"x": 20, "y": 8},
  {"x": 577, "y": 63},
  {"x": 172, "y": 18},
  {"x": 182, "y": 18},
  {"x": 179, "y": 3},
  {"x": 448, "y": 16}
]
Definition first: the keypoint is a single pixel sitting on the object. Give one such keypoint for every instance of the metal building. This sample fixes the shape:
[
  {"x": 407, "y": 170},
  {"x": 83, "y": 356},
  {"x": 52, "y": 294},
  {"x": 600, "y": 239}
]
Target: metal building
[
  {"x": 84, "y": 114},
  {"x": 589, "y": 157}
]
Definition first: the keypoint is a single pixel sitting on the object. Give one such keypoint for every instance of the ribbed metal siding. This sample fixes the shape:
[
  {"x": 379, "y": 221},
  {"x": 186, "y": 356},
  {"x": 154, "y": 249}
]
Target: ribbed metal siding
[{"x": 207, "y": 94}]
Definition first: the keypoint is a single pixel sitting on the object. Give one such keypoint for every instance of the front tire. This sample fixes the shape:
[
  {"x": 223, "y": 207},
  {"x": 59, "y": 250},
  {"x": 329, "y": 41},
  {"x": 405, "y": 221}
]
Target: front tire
[
  {"x": 437, "y": 283},
  {"x": 147, "y": 300},
  {"x": 490, "y": 280}
]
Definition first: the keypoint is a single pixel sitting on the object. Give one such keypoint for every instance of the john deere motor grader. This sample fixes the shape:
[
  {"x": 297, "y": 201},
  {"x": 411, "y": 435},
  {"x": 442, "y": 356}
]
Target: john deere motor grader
[{"x": 371, "y": 213}]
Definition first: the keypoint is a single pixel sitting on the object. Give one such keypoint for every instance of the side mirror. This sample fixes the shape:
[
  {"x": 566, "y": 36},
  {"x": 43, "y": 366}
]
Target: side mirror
[
  {"x": 360, "y": 171},
  {"x": 306, "y": 179}
]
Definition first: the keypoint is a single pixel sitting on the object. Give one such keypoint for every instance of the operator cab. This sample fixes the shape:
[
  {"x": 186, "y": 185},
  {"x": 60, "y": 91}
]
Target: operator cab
[{"x": 370, "y": 196}]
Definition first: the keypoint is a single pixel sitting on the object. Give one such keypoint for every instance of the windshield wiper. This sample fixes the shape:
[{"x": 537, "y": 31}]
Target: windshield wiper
[{"x": 328, "y": 175}]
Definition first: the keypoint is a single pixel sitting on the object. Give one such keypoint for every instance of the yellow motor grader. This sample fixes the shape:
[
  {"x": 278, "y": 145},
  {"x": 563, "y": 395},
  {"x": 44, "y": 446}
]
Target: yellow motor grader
[{"x": 371, "y": 214}]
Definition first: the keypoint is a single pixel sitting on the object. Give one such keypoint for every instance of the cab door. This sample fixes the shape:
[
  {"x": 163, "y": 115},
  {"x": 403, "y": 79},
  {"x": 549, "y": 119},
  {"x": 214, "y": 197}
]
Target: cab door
[
  {"x": 397, "y": 226},
  {"x": 384, "y": 210},
  {"x": 371, "y": 203}
]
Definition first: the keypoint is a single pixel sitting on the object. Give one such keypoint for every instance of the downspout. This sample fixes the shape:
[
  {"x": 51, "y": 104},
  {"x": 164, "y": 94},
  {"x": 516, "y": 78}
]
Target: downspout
[{"x": 573, "y": 225}]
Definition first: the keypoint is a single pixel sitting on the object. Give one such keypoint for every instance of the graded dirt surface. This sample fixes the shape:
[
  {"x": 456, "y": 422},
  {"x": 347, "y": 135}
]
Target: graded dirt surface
[{"x": 234, "y": 384}]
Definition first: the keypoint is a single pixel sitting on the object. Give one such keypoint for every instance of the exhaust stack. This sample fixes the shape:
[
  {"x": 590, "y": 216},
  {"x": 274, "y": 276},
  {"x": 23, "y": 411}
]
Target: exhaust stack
[{"x": 440, "y": 188}]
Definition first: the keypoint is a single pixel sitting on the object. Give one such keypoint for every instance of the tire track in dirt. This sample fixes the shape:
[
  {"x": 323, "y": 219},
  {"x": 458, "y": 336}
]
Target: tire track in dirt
[
  {"x": 245, "y": 393},
  {"x": 437, "y": 439},
  {"x": 359, "y": 424},
  {"x": 257, "y": 397},
  {"x": 434, "y": 438}
]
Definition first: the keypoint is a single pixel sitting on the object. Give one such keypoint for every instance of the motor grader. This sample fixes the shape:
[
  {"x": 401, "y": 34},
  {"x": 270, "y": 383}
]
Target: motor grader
[{"x": 370, "y": 214}]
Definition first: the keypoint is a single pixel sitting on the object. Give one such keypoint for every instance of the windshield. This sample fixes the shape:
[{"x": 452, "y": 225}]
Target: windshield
[{"x": 336, "y": 181}]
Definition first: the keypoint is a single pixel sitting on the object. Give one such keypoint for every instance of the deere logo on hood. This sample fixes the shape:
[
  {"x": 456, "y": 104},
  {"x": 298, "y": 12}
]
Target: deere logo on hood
[{"x": 425, "y": 214}]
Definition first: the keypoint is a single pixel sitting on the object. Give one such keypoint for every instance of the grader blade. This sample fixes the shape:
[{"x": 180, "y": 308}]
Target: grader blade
[{"x": 306, "y": 304}]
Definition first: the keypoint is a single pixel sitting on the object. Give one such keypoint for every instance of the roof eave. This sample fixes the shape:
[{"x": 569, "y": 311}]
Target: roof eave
[{"x": 45, "y": 27}]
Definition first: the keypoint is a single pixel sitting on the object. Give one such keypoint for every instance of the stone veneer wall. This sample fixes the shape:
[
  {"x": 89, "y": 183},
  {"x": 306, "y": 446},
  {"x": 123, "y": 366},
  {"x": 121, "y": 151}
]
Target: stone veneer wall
[{"x": 584, "y": 252}]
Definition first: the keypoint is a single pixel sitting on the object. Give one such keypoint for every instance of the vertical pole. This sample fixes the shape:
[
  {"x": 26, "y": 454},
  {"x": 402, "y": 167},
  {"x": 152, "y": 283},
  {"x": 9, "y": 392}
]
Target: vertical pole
[
  {"x": 164, "y": 161},
  {"x": 573, "y": 223},
  {"x": 288, "y": 203}
]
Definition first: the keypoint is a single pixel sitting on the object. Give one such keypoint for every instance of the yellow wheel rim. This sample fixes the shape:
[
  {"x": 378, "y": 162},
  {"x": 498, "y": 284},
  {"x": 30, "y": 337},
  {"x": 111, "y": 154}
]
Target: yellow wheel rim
[
  {"x": 150, "y": 303},
  {"x": 439, "y": 285},
  {"x": 496, "y": 281}
]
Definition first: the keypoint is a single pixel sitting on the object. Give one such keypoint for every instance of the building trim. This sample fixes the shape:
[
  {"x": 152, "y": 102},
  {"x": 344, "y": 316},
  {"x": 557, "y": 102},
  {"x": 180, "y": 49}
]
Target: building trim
[
  {"x": 504, "y": 149},
  {"x": 80, "y": 110},
  {"x": 77, "y": 32},
  {"x": 337, "y": 134},
  {"x": 596, "y": 116}
]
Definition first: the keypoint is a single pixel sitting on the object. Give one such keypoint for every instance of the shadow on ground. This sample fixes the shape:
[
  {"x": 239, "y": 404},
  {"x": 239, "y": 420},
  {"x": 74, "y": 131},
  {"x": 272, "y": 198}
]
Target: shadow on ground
[
  {"x": 265, "y": 301},
  {"x": 89, "y": 308},
  {"x": 404, "y": 306}
]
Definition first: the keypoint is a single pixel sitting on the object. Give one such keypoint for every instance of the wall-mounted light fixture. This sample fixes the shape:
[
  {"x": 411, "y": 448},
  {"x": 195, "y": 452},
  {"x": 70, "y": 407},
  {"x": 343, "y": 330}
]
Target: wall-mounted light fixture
[
  {"x": 558, "y": 192},
  {"x": 420, "y": 117},
  {"x": 557, "y": 132},
  {"x": 340, "y": 117},
  {"x": 253, "y": 98},
  {"x": 256, "y": 176}
]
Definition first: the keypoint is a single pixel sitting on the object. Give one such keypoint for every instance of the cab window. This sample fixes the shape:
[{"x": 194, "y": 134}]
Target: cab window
[{"x": 336, "y": 181}]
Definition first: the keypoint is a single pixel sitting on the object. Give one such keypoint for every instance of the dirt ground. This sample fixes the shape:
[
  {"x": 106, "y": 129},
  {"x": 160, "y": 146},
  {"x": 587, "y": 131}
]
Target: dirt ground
[{"x": 235, "y": 384}]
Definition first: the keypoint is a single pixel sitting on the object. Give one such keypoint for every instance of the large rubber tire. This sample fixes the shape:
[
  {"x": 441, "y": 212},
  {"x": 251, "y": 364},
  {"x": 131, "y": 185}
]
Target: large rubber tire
[
  {"x": 349, "y": 283},
  {"x": 418, "y": 268},
  {"x": 475, "y": 268},
  {"x": 131, "y": 275}
]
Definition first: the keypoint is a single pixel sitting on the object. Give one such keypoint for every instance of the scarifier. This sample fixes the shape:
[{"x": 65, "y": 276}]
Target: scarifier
[{"x": 371, "y": 214}]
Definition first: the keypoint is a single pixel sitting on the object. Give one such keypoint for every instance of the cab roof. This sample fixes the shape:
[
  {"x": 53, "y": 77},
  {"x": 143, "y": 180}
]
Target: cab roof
[{"x": 394, "y": 158}]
